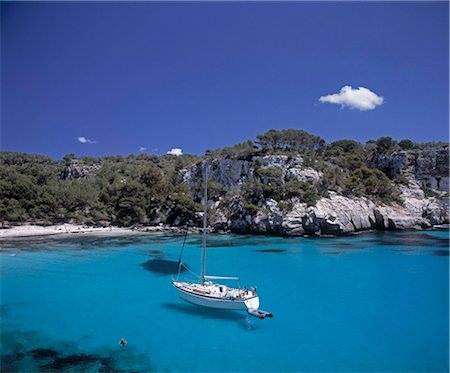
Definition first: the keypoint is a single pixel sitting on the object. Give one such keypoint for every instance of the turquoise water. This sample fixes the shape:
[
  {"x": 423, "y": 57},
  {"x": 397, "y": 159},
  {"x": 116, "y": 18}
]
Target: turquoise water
[{"x": 363, "y": 303}]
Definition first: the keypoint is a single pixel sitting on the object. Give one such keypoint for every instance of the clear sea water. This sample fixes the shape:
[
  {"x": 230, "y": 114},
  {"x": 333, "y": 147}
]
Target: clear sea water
[{"x": 374, "y": 302}]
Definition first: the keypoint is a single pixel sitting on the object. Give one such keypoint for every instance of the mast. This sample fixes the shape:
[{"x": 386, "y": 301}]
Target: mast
[{"x": 205, "y": 203}]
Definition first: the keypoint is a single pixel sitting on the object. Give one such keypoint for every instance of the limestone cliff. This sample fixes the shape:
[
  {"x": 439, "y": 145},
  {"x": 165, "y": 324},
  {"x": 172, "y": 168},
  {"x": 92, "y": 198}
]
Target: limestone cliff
[
  {"x": 428, "y": 167},
  {"x": 333, "y": 214}
]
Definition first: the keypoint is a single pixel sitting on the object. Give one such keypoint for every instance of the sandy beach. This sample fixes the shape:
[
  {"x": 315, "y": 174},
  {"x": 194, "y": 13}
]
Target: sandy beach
[
  {"x": 30, "y": 230},
  {"x": 37, "y": 230}
]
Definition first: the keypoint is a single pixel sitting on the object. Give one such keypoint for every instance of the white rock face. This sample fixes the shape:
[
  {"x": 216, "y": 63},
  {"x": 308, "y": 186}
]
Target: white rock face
[
  {"x": 307, "y": 175},
  {"x": 292, "y": 223},
  {"x": 271, "y": 205},
  {"x": 338, "y": 214},
  {"x": 413, "y": 190},
  {"x": 278, "y": 161}
]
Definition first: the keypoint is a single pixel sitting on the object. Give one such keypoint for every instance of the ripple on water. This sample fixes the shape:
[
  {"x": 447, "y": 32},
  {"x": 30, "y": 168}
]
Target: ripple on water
[
  {"x": 406, "y": 251},
  {"x": 441, "y": 252},
  {"x": 334, "y": 252},
  {"x": 272, "y": 251}
]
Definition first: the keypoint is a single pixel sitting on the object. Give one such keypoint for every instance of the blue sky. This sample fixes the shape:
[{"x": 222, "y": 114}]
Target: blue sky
[{"x": 199, "y": 75}]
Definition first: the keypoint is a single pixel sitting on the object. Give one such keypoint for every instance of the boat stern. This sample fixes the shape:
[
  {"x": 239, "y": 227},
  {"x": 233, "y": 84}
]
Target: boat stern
[{"x": 252, "y": 303}]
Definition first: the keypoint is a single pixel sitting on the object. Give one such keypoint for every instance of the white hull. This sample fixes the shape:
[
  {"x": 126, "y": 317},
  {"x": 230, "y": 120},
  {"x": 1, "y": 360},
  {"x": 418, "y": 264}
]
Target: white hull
[{"x": 216, "y": 302}]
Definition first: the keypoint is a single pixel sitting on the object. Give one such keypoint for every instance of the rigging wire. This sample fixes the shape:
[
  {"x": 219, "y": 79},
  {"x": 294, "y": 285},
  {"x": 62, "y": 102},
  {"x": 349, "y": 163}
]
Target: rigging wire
[
  {"x": 181, "y": 254},
  {"x": 189, "y": 270}
]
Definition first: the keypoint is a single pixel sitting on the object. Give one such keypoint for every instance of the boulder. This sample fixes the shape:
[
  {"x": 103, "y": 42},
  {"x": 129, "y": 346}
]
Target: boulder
[
  {"x": 307, "y": 175},
  {"x": 77, "y": 169}
]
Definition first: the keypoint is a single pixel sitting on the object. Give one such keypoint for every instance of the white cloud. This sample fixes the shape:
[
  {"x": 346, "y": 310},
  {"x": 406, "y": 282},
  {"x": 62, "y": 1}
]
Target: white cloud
[
  {"x": 142, "y": 148},
  {"x": 175, "y": 151},
  {"x": 84, "y": 140},
  {"x": 355, "y": 98}
]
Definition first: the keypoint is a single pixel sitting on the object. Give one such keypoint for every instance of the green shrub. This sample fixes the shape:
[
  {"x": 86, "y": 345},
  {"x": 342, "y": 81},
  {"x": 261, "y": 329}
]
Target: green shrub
[
  {"x": 253, "y": 192},
  {"x": 386, "y": 144},
  {"x": 371, "y": 183},
  {"x": 269, "y": 172},
  {"x": 406, "y": 144},
  {"x": 291, "y": 140},
  {"x": 251, "y": 209},
  {"x": 307, "y": 193}
]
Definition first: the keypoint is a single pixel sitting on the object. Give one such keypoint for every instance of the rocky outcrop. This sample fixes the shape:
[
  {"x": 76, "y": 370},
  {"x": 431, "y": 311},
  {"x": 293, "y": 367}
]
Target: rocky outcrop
[
  {"x": 307, "y": 175},
  {"x": 77, "y": 169},
  {"x": 429, "y": 167},
  {"x": 337, "y": 215},
  {"x": 230, "y": 173},
  {"x": 334, "y": 214}
]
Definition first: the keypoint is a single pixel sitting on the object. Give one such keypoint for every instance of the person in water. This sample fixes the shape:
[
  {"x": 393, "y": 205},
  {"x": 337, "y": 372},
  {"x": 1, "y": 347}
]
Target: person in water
[{"x": 123, "y": 342}]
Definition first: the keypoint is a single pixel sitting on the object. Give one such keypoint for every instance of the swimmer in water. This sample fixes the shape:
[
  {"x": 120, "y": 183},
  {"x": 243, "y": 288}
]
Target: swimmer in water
[{"x": 123, "y": 342}]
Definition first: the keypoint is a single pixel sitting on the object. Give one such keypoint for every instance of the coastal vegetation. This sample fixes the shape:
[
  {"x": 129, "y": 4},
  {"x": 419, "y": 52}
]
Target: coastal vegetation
[{"x": 148, "y": 189}]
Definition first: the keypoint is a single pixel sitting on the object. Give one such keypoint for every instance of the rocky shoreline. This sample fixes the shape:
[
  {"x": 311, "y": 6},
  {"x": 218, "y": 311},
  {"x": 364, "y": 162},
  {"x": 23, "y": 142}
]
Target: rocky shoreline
[
  {"x": 322, "y": 227},
  {"x": 339, "y": 215}
]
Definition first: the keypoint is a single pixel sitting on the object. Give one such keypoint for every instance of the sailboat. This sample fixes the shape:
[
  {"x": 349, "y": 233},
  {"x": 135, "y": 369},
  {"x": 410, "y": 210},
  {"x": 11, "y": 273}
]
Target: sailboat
[{"x": 208, "y": 293}]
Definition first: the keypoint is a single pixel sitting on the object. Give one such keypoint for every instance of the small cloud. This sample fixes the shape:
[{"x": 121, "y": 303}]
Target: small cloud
[
  {"x": 84, "y": 140},
  {"x": 175, "y": 151},
  {"x": 142, "y": 148},
  {"x": 355, "y": 98}
]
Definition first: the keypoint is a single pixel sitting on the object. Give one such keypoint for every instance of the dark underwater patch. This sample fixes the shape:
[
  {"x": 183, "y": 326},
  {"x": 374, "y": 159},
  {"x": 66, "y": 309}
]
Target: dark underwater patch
[
  {"x": 44, "y": 353},
  {"x": 77, "y": 361},
  {"x": 162, "y": 266},
  {"x": 85, "y": 241},
  {"x": 4, "y": 311},
  {"x": 441, "y": 252},
  {"x": 336, "y": 247},
  {"x": 347, "y": 247},
  {"x": 234, "y": 240},
  {"x": 272, "y": 251},
  {"x": 22, "y": 351},
  {"x": 9, "y": 362},
  {"x": 409, "y": 239},
  {"x": 155, "y": 252}
]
